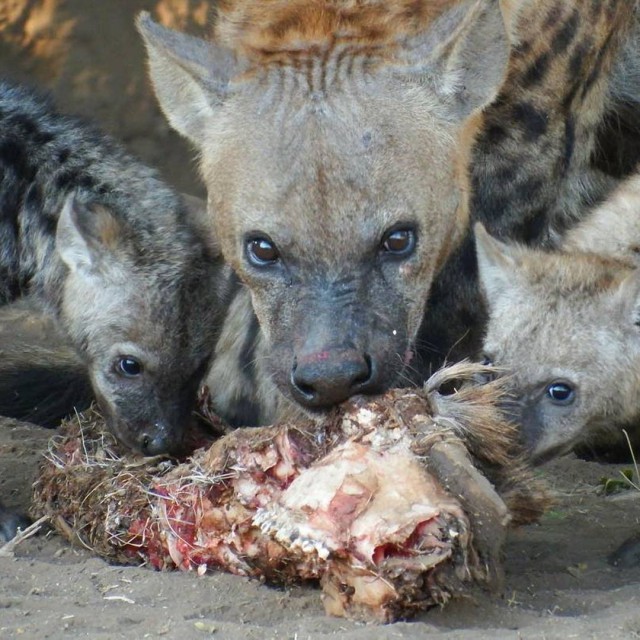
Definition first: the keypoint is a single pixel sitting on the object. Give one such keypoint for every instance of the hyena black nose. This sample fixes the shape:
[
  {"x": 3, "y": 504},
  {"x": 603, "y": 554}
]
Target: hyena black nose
[
  {"x": 156, "y": 441},
  {"x": 328, "y": 377}
]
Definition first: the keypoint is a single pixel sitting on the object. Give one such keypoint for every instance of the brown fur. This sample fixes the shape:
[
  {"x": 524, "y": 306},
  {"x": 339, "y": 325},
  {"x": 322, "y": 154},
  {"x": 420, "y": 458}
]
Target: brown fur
[{"x": 262, "y": 30}]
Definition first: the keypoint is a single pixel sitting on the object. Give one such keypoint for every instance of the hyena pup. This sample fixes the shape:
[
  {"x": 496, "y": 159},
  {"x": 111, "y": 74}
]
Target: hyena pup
[
  {"x": 328, "y": 135},
  {"x": 566, "y": 326},
  {"x": 125, "y": 266}
]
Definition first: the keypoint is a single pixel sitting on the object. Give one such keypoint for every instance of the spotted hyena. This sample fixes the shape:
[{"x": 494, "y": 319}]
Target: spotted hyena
[{"x": 123, "y": 264}]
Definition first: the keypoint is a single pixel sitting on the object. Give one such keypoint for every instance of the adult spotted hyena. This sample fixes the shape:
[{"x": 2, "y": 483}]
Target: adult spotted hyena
[
  {"x": 328, "y": 136},
  {"x": 123, "y": 264}
]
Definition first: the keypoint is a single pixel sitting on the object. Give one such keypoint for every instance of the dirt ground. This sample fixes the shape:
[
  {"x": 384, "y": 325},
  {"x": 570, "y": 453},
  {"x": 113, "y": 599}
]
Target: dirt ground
[{"x": 559, "y": 584}]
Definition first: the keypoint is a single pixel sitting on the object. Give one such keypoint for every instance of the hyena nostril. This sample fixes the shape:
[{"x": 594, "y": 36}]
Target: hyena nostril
[
  {"x": 366, "y": 375},
  {"x": 330, "y": 376}
]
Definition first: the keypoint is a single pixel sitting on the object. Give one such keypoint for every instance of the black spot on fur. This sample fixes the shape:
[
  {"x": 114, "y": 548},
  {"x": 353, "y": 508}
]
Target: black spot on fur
[
  {"x": 566, "y": 34},
  {"x": 63, "y": 155},
  {"x": 533, "y": 121},
  {"x": 597, "y": 67},
  {"x": 66, "y": 180},
  {"x": 533, "y": 229},
  {"x": 506, "y": 174},
  {"x": 521, "y": 50},
  {"x": 495, "y": 133},
  {"x": 537, "y": 71},
  {"x": 578, "y": 57},
  {"x": 528, "y": 189},
  {"x": 12, "y": 155},
  {"x": 553, "y": 17}
]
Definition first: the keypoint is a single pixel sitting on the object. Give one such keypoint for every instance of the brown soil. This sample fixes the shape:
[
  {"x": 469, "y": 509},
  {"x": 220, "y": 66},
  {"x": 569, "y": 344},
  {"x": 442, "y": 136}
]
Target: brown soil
[{"x": 559, "y": 584}]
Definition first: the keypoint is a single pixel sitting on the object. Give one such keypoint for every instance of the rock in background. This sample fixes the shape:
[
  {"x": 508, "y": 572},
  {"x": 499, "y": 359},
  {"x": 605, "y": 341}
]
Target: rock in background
[{"x": 90, "y": 56}]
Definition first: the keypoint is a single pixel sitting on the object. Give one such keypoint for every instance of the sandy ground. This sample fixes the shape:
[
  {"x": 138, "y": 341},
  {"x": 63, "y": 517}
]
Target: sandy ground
[{"x": 559, "y": 584}]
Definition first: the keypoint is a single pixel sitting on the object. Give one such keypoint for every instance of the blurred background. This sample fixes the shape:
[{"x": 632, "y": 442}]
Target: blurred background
[{"x": 89, "y": 55}]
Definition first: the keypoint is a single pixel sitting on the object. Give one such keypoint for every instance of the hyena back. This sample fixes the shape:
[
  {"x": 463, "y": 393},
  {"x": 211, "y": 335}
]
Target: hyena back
[
  {"x": 327, "y": 134},
  {"x": 565, "y": 326},
  {"x": 121, "y": 261}
]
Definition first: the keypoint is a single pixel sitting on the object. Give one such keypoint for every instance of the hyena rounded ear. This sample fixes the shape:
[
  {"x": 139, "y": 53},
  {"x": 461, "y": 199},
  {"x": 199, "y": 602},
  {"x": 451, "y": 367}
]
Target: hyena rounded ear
[
  {"x": 190, "y": 75},
  {"x": 198, "y": 216},
  {"x": 463, "y": 55},
  {"x": 85, "y": 234}
]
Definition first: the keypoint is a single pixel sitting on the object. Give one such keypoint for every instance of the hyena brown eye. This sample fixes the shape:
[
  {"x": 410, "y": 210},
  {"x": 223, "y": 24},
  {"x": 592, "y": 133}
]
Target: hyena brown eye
[
  {"x": 262, "y": 252},
  {"x": 561, "y": 393},
  {"x": 128, "y": 367},
  {"x": 399, "y": 242}
]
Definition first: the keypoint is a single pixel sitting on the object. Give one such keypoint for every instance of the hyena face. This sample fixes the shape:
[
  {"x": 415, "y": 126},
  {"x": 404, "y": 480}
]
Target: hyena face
[
  {"x": 144, "y": 321},
  {"x": 327, "y": 136},
  {"x": 565, "y": 326}
]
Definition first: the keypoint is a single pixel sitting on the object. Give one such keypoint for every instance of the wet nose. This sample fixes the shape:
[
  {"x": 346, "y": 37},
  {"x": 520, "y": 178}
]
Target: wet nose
[
  {"x": 328, "y": 377},
  {"x": 156, "y": 440}
]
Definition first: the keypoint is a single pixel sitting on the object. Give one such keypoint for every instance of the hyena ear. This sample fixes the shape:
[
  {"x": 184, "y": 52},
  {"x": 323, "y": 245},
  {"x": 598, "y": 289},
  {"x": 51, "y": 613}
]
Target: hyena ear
[
  {"x": 85, "y": 235},
  {"x": 497, "y": 265},
  {"x": 463, "y": 55},
  {"x": 627, "y": 298},
  {"x": 190, "y": 76}
]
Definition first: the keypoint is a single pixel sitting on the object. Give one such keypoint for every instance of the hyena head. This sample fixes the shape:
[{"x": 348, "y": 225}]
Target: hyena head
[
  {"x": 140, "y": 305},
  {"x": 327, "y": 134},
  {"x": 565, "y": 327}
]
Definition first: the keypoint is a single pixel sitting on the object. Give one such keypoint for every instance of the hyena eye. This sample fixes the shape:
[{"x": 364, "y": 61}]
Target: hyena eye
[
  {"x": 128, "y": 367},
  {"x": 399, "y": 242},
  {"x": 261, "y": 251},
  {"x": 561, "y": 393}
]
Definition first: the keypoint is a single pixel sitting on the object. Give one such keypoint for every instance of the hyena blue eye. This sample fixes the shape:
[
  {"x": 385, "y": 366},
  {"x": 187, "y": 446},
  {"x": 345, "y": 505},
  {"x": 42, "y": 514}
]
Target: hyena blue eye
[
  {"x": 262, "y": 252},
  {"x": 128, "y": 366},
  {"x": 561, "y": 393},
  {"x": 399, "y": 242}
]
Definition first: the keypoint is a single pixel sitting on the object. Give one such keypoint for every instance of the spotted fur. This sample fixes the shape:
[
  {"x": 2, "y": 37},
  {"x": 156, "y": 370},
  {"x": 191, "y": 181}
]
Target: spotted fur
[{"x": 541, "y": 154}]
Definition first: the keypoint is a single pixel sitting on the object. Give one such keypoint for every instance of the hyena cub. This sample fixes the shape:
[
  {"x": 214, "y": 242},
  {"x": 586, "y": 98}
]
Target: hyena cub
[
  {"x": 566, "y": 326},
  {"x": 121, "y": 261}
]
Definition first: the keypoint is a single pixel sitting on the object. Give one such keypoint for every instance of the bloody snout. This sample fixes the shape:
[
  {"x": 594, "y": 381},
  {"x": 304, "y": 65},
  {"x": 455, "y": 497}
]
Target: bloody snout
[{"x": 330, "y": 376}]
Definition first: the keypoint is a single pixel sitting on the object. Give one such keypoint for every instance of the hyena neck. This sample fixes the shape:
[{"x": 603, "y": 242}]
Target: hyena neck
[{"x": 530, "y": 151}]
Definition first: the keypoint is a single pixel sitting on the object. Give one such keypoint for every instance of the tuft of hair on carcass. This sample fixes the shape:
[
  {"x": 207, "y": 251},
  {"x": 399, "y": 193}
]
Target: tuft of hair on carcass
[{"x": 395, "y": 503}]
